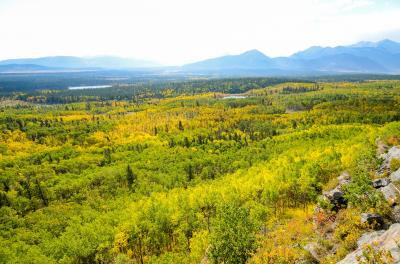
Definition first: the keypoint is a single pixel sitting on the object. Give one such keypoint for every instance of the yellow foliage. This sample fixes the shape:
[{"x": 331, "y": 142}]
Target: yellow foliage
[{"x": 284, "y": 243}]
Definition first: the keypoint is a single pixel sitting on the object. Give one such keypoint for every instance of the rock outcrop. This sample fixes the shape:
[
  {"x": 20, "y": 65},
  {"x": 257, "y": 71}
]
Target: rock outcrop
[
  {"x": 315, "y": 251},
  {"x": 379, "y": 183},
  {"x": 381, "y": 147},
  {"x": 396, "y": 214},
  {"x": 336, "y": 195},
  {"x": 367, "y": 237},
  {"x": 388, "y": 183},
  {"x": 391, "y": 193},
  {"x": 375, "y": 220},
  {"x": 344, "y": 178},
  {"x": 393, "y": 153},
  {"x": 395, "y": 176},
  {"x": 388, "y": 240},
  {"x": 389, "y": 186},
  {"x": 383, "y": 240}
]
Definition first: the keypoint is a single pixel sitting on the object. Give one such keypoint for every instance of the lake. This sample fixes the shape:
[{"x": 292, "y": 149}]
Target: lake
[
  {"x": 234, "y": 97},
  {"x": 88, "y": 87}
]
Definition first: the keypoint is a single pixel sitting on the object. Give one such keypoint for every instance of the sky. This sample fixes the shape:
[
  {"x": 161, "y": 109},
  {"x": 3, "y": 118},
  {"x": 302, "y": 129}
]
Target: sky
[{"x": 175, "y": 32}]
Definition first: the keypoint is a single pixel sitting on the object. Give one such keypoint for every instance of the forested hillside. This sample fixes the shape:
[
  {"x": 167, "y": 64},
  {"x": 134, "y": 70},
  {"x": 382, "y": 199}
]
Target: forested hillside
[{"x": 189, "y": 175}]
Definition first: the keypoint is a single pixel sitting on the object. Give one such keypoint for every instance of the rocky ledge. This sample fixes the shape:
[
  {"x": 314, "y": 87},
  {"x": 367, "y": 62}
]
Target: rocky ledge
[{"x": 388, "y": 240}]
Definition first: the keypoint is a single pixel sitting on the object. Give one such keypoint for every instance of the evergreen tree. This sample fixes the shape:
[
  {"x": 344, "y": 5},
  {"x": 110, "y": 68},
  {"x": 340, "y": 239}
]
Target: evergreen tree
[
  {"x": 180, "y": 126},
  {"x": 190, "y": 175},
  {"x": 130, "y": 176}
]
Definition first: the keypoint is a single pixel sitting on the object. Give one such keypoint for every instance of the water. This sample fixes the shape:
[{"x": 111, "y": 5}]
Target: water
[
  {"x": 234, "y": 97},
  {"x": 88, "y": 87}
]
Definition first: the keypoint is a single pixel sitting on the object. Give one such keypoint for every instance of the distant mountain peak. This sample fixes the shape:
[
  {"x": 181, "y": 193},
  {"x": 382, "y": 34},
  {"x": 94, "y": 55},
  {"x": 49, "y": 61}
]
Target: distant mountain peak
[
  {"x": 251, "y": 59},
  {"x": 363, "y": 44},
  {"x": 308, "y": 52},
  {"x": 253, "y": 52},
  {"x": 389, "y": 45},
  {"x": 371, "y": 44},
  {"x": 388, "y": 41}
]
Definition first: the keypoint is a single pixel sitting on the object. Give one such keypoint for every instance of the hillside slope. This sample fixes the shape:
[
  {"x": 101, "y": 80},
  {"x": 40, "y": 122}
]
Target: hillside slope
[{"x": 188, "y": 179}]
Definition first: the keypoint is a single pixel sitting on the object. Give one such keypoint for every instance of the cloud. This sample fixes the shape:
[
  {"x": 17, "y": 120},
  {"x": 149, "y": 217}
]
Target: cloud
[
  {"x": 350, "y": 5},
  {"x": 179, "y": 31}
]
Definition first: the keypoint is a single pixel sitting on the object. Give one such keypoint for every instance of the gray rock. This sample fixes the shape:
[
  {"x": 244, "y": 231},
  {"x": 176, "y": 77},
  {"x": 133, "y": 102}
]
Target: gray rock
[
  {"x": 379, "y": 183},
  {"x": 391, "y": 193},
  {"x": 395, "y": 176},
  {"x": 334, "y": 194},
  {"x": 396, "y": 214},
  {"x": 381, "y": 147},
  {"x": 386, "y": 241},
  {"x": 372, "y": 219},
  {"x": 315, "y": 251},
  {"x": 336, "y": 197},
  {"x": 344, "y": 178},
  {"x": 366, "y": 237},
  {"x": 393, "y": 153}
]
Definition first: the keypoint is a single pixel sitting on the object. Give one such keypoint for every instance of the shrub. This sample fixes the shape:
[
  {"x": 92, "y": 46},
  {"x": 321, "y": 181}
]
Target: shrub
[
  {"x": 373, "y": 254},
  {"x": 233, "y": 238},
  {"x": 393, "y": 140},
  {"x": 394, "y": 164}
]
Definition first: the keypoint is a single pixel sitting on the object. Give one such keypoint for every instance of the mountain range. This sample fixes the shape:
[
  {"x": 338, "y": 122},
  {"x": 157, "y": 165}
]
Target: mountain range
[
  {"x": 363, "y": 57},
  {"x": 70, "y": 62},
  {"x": 381, "y": 57}
]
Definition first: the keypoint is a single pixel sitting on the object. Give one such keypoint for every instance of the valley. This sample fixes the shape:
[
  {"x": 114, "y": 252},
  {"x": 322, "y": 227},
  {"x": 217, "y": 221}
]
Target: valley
[{"x": 180, "y": 176}]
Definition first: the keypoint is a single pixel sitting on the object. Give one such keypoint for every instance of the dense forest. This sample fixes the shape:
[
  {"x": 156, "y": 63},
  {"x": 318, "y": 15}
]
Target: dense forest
[{"x": 188, "y": 172}]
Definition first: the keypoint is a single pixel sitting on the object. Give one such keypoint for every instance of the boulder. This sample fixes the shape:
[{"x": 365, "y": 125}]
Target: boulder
[
  {"x": 366, "y": 237},
  {"x": 344, "y": 178},
  {"x": 372, "y": 219},
  {"x": 393, "y": 153},
  {"x": 395, "y": 176},
  {"x": 391, "y": 193},
  {"x": 396, "y": 214},
  {"x": 379, "y": 183},
  {"x": 336, "y": 197},
  {"x": 386, "y": 241},
  {"x": 381, "y": 147},
  {"x": 315, "y": 251}
]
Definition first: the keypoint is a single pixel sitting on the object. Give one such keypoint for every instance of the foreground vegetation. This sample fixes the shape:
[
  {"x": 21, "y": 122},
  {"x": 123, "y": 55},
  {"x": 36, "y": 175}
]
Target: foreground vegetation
[{"x": 188, "y": 178}]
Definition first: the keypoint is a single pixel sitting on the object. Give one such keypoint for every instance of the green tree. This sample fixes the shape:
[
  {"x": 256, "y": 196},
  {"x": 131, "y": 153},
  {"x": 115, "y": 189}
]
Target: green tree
[
  {"x": 106, "y": 157},
  {"x": 189, "y": 172},
  {"x": 233, "y": 238},
  {"x": 180, "y": 126},
  {"x": 186, "y": 142},
  {"x": 130, "y": 176}
]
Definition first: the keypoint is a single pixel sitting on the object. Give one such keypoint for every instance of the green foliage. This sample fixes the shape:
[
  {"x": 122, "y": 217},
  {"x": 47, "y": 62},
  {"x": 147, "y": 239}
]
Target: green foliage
[
  {"x": 394, "y": 164},
  {"x": 360, "y": 192},
  {"x": 373, "y": 254},
  {"x": 130, "y": 177},
  {"x": 233, "y": 237}
]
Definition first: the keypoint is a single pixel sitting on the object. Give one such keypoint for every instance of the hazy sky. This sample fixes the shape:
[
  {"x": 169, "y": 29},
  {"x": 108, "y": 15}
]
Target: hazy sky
[{"x": 180, "y": 31}]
